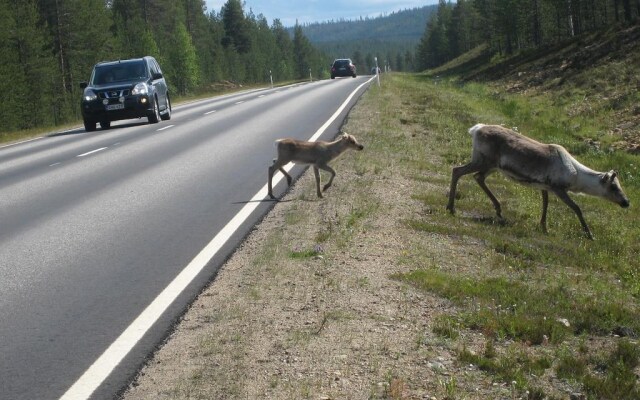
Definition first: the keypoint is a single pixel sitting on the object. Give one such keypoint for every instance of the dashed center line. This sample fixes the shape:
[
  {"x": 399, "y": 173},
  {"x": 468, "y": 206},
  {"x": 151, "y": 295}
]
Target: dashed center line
[
  {"x": 92, "y": 151},
  {"x": 210, "y": 112},
  {"x": 239, "y": 102},
  {"x": 166, "y": 127}
]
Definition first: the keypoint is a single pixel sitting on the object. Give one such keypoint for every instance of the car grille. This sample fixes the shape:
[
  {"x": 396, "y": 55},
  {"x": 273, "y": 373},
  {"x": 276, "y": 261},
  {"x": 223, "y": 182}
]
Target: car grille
[{"x": 114, "y": 94}]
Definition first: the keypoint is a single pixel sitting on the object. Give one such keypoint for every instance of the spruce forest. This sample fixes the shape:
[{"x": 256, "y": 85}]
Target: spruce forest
[
  {"x": 508, "y": 27},
  {"x": 49, "y": 46}
]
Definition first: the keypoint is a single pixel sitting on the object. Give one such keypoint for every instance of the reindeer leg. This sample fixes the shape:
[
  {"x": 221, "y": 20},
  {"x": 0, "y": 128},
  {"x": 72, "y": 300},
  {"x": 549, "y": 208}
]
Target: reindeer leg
[
  {"x": 480, "y": 177},
  {"x": 545, "y": 204},
  {"x": 271, "y": 169},
  {"x": 564, "y": 196},
  {"x": 316, "y": 172},
  {"x": 456, "y": 174},
  {"x": 333, "y": 174},
  {"x": 286, "y": 175},
  {"x": 277, "y": 165}
]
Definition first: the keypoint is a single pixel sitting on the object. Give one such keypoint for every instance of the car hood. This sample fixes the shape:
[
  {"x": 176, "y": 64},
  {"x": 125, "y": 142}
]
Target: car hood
[{"x": 116, "y": 85}]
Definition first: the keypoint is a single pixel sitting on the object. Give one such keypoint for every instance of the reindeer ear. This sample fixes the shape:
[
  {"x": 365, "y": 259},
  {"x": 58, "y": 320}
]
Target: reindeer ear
[
  {"x": 609, "y": 176},
  {"x": 605, "y": 178}
]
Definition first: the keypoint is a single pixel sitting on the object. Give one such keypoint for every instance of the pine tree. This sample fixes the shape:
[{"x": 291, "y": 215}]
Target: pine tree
[
  {"x": 283, "y": 65},
  {"x": 301, "y": 53},
  {"x": 14, "y": 89},
  {"x": 30, "y": 68},
  {"x": 183, "y": 59},
  {"x": 235, "y": 27}
]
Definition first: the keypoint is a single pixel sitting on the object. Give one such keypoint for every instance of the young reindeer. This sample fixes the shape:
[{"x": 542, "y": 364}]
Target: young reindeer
[
  {"x": 548, "y": 167},
  {"x": 317, "y": 154}
]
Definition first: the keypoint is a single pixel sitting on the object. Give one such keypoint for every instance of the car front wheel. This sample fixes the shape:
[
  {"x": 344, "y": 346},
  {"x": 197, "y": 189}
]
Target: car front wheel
[
  {"x": 167, "y": 111},
  {"x": 154, "y": 117},
  {"x": 89, "y": 125}
]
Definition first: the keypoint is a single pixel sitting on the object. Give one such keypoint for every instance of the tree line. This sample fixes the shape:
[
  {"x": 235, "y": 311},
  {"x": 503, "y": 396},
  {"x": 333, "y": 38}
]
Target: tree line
[
  {"x": 49, "y": 46},
  {"x": 507, "y": 26}
]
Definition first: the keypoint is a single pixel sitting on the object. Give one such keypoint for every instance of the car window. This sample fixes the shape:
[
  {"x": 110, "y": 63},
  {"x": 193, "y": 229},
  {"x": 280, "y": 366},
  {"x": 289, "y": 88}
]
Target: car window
[
  {"x": 121, "y": 72},
  {"x": 155, "y": 67}
]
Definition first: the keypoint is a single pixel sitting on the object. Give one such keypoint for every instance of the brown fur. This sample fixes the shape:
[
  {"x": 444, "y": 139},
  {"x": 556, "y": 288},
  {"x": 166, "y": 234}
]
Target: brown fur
[
  {"x": 548, "y": 167},
  {"x": 317, "y": 154}
]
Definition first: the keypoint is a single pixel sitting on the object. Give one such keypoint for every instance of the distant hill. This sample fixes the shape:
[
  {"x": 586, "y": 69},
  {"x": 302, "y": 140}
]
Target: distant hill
[{"x": 389, "y": 37}]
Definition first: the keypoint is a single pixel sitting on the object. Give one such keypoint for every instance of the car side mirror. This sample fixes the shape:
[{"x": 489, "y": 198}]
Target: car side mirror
[
  {"x": 83, "y": 85},
  {"x": 156, "y": 76}
]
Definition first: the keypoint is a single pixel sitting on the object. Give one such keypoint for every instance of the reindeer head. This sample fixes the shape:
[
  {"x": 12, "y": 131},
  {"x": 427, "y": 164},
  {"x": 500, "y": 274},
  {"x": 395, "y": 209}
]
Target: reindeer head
[
  {"x": 351, "y": 142},
  {"x": 612, "y": 189}
]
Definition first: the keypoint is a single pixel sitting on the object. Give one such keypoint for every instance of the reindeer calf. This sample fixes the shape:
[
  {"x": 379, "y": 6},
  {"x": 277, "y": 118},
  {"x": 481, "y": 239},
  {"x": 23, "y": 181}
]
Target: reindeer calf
[
  {"x": 548, "y": 167},
  {"x": 317, "y": 154}
]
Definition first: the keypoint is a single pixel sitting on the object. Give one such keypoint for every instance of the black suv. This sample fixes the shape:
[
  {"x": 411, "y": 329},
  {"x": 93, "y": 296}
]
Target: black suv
[
  {"x": 342, "y": 67},
  {"x": 125, "y": 89}
]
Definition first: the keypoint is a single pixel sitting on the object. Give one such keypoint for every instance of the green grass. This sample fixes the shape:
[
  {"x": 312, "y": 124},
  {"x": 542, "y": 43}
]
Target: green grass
[
  {"x": 305, "y": 253},
  {"x": 513, "y": 368},
  {"x": 516, "y": 309},
  {"x": 540, "y": 290}
]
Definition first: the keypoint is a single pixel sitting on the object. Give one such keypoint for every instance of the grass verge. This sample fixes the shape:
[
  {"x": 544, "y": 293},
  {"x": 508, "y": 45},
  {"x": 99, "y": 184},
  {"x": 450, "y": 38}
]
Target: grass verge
[{"x": 546, "y": 292}]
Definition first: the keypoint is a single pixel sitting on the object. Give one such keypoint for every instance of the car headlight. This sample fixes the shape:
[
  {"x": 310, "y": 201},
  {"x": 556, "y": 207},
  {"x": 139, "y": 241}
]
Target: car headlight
[
  {"x": 89, "y": 95},
  {"x": 140, "y": 88}
]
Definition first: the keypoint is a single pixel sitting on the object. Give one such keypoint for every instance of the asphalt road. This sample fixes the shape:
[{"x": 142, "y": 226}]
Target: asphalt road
[{"x": 94, "y": 227}]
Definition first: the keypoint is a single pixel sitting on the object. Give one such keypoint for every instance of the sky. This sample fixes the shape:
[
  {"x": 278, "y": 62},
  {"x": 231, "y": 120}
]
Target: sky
[{"x": 308, "y": 11}]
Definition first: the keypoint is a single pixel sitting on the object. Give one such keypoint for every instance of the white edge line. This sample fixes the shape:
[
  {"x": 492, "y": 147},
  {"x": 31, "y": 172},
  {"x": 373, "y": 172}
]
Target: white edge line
[
  {"x": 91, "y": 152},
  {"x": 21, "y": 142},
  {"x": 115, "y": 353}
]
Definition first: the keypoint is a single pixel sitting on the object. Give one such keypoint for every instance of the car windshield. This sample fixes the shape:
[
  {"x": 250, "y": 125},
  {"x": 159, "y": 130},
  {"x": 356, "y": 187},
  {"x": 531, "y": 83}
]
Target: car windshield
[
  {"x": 121, "y": 72},
  {"x": 342, "y": 63}
]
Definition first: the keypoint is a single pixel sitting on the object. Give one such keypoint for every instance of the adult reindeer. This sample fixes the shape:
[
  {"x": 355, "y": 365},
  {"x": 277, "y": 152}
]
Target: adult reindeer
[
  {"x": 317, "y": 154},
  {"x": 548, "y": 167}
]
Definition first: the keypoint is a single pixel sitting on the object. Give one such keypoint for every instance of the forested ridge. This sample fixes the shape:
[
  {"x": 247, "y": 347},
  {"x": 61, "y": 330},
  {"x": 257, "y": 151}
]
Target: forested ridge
[
  {"x": 392, "y": 38},
  {"x": 49, "y": 46},
  {"x": 507, "y": 27}
]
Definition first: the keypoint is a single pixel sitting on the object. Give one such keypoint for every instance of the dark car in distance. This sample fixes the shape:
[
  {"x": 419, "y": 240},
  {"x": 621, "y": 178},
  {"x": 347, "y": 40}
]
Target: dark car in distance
[
  {"x": 125, "y": 89},
  {"x": 342, "y": 67}
]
